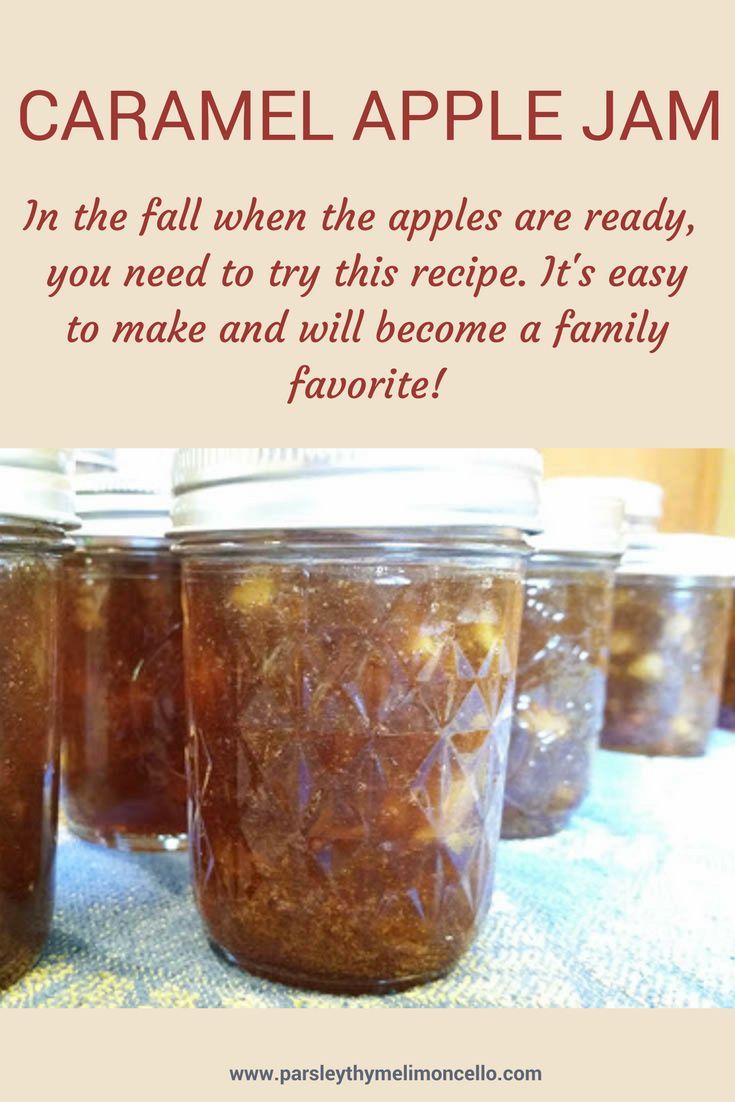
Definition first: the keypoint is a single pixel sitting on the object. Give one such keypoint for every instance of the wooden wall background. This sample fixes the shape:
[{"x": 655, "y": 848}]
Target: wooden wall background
[{"x": 699, "y": 483}]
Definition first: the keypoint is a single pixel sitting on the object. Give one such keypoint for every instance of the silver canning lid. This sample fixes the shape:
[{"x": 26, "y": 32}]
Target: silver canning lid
[
  {"x": 245, "y": 489},
  {"x": 682, "y": 554},
  {"x": 58, "y": 460},
  {"x": 35, "y": 486},
  {"x": 115, "y": 505},
  {"x": 94, "y": 459},
  {"x": 643, "y": 501},
  {"x": 580, "y": 519}
]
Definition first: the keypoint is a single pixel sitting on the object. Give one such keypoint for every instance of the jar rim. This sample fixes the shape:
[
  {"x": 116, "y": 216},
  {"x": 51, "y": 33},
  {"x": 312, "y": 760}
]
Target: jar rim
[
  {"x": 452, "y": 542},
  {"x": 27, "y": 534},
  {"x": 609, "y": 559},
  {"x": 120, "y": 543},
  {"x": 676, "y": 581}
]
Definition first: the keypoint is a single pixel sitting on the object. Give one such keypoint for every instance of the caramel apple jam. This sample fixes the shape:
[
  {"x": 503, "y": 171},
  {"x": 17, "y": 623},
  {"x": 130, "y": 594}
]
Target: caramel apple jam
[
  {"x": 667, "y": 656},
  {"x": 727, "y": 703},
  {"x": 350, "y": 707},
  {"x": 124, "y": 725},
  {"x": 560, "y": 694},
  {"x": 28, "y": 750}
]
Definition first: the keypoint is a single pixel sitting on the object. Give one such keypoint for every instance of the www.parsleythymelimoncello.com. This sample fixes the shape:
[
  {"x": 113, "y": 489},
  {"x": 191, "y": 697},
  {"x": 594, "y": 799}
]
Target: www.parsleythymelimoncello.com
[{"x": 404, "y": 1073}]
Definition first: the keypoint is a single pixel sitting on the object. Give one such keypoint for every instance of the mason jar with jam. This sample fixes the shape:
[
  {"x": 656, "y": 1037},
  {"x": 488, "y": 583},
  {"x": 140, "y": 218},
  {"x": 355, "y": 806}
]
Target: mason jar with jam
[
  {"x": 669, "y": 641},
  {"x": 562, "y": 664},
  {"x": 351, "y": 631},
  {"x": 36, "y": 511},
  {"x": 124, "y": 725}
]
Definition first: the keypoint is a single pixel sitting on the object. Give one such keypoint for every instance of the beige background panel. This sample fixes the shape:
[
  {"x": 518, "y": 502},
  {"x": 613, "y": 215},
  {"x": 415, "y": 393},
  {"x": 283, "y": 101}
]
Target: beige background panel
[
  {"x": 605, "y": 1054},
  {"x": 160, "y": 394},
  {"x": 681, "y": 396}
]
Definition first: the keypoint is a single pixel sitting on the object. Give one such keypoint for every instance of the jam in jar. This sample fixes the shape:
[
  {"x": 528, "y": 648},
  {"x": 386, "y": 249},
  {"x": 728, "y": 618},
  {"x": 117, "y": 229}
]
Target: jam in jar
[
  {"x": 562, "y": 664},
  {"x": 124, "y": 726},
  {"x": 667, "y": 652},
  {"x": 727, "y": 704},
  {"x": 560, "y": 696},
  {"x": 350, "y": 686},
  {"x": 35, "y": 509}
]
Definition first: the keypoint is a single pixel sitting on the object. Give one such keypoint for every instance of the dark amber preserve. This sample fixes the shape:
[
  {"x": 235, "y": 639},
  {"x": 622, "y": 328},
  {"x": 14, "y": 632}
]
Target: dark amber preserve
[
  {"x": 28, "y": 755},
  {"x": 560, "y": 694},
  {"x": 727, "y": 704},
  {"x": 350, "y": 718},
  {"x": 667, "y": 656},
  {"x": 124, "y": 725}
]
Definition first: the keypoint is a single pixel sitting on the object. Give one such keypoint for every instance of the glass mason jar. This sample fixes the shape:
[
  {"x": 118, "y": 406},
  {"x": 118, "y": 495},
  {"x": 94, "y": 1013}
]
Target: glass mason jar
[
  {"x": 124, "y": 722},
  {"x": 351, "y": 625},
  {"x": 562, "y": 663},
  {"x": 667, "y": 653},
  {"x": 36, "y": 508}
]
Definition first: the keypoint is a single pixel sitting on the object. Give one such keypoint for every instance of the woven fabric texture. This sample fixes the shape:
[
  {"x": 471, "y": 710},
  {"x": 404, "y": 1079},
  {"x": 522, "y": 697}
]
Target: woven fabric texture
[{"x": 632, "y": 906}]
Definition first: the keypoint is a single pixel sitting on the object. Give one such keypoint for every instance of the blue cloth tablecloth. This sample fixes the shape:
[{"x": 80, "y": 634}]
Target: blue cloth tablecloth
[{"x": 632, "y": 906}]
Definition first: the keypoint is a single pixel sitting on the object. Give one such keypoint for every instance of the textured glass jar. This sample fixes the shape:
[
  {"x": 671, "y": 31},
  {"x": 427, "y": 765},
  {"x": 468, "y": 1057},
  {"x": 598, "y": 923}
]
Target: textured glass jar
[
  {"x": 124, "y": 724},
  {"x": 565, "y": 634},
  {"x": 667, "y": 653},
  {"x": 350, "y": 695},
  {"x": 560, "y": 694},
  {"x": 30, "y": 563}
]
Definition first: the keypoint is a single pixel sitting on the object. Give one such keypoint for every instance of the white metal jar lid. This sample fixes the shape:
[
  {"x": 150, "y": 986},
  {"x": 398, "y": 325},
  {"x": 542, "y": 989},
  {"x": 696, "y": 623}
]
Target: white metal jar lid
[
  {"x": 58, "y": 460},
  {"x": 94, "y": 459},
  {"x": 35, "y": 486},
  {"x": 241, "y": 489},
  {"x": 643, "y": 501},
  {"x": 115, "y": 505},
  {"x": 579, "y": 519},
  {"x": 682, "y": 554}
]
